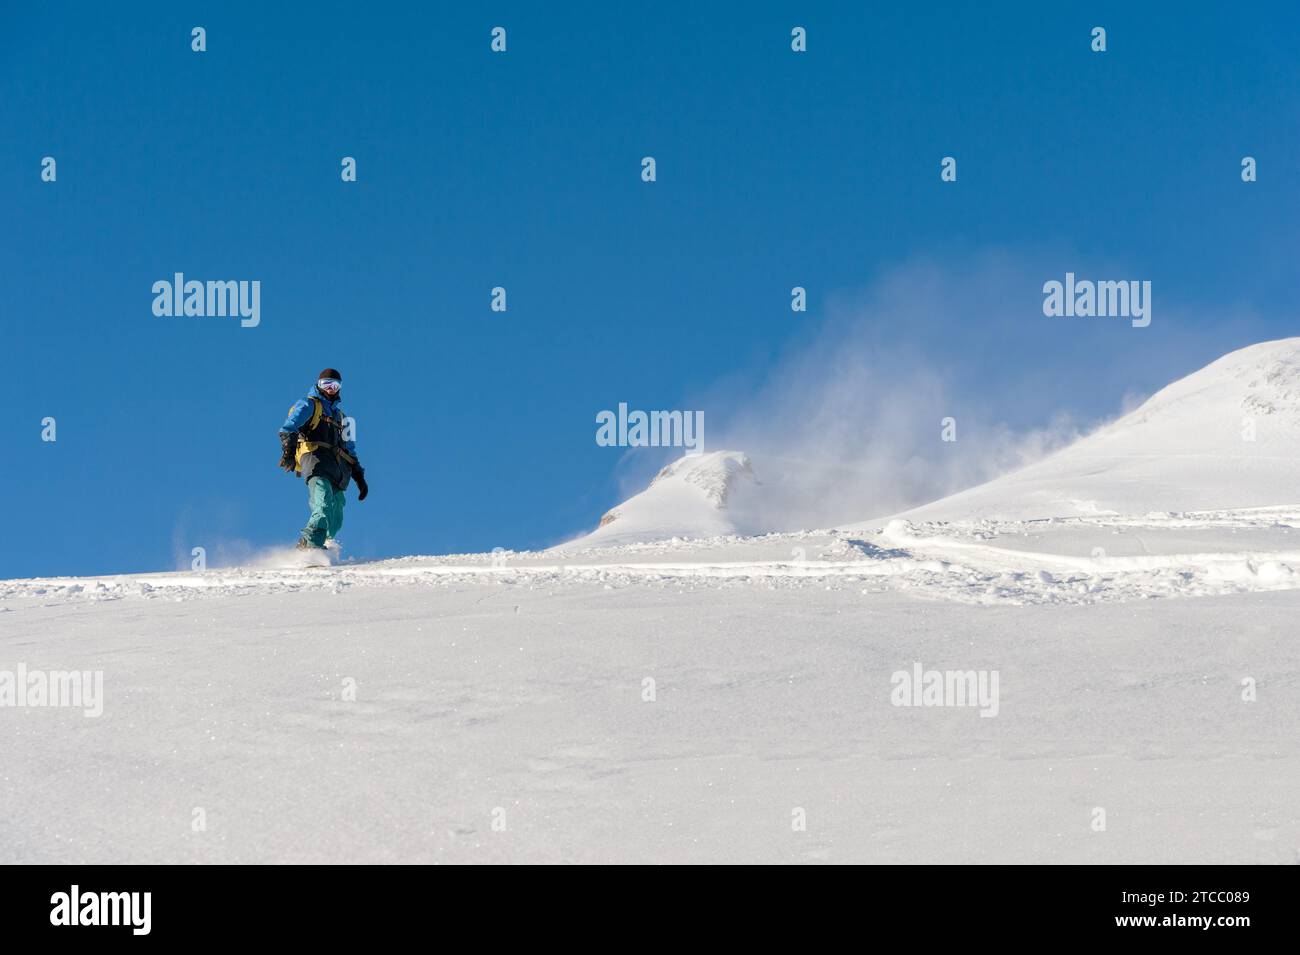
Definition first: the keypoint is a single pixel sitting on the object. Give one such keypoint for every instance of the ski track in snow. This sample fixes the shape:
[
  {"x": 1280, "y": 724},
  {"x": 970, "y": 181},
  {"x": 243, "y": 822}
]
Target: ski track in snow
[{"x": 1080, "y": 560}]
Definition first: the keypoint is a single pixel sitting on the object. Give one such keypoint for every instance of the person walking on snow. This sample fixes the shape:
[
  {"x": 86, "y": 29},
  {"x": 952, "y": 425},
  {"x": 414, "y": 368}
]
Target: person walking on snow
[{"x": 312, "y": 444}]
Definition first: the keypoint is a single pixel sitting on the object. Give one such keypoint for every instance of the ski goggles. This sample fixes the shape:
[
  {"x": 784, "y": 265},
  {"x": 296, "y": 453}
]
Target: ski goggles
[{"x": 330, "y": 386}]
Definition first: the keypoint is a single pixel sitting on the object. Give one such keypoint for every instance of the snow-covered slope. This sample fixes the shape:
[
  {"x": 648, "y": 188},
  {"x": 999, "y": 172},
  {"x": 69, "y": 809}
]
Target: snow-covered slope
[
  {"x": 1224, "y": 437},
  {"x": 672, "y": 702},
  {"x": 635, "y": 697},
  {"x": 701, "y": 495}
]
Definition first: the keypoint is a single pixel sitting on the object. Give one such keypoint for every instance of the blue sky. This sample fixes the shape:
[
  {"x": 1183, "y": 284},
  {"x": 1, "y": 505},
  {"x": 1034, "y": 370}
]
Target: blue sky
[{"x": 522, "y": 170}]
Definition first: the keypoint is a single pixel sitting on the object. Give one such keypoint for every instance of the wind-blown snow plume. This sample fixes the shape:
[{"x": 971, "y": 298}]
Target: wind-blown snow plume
[
  {"x": 858, "y": 421},
  {"x": 935, "y": 379}
]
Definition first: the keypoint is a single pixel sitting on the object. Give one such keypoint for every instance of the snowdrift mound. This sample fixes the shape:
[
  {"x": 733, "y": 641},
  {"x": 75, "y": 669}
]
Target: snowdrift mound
[
  {"x": 703, "y": 495},
  {"x": 1224, "y": 437}
]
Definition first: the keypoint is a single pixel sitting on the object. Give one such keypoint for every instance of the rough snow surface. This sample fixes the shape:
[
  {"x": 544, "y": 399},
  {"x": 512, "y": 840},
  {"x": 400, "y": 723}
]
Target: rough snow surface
[
  {"x": 1057, "y": 561},
  {"x": 510, "y": 689},
  {"x": 446, "y": 710}
]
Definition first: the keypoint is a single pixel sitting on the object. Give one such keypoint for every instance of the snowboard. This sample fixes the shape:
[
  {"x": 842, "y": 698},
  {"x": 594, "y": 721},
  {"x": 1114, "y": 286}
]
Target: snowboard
[
  {"x": 314, "y": 559},
  {"x": 311, "y": 560}
]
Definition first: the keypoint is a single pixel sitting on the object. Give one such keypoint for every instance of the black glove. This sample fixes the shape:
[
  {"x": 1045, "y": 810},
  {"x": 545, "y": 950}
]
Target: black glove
[
  {"x": 288, "y": 451},
  {"x": 359, "y": 475}
]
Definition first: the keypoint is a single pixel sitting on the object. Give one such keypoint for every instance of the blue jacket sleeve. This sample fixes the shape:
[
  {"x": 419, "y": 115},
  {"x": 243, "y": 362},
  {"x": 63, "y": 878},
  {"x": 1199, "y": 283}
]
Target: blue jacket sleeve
[{"x": 299, "y": 415}]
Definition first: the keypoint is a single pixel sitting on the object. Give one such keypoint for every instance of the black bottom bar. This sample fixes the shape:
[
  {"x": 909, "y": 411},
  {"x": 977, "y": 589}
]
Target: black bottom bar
[{"x": 335, "y": 905}]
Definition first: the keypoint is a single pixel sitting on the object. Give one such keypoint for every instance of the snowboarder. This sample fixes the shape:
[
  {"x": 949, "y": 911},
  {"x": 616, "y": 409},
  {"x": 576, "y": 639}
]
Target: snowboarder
[{"x": 313, "y": 444}]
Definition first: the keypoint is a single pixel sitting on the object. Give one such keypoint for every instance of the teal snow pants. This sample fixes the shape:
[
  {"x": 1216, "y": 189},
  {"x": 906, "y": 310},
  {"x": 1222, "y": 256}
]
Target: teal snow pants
[{"x": 326, "y": 503}]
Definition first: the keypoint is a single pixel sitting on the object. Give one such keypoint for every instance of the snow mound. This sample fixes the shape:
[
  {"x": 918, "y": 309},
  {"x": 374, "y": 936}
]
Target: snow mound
[
  {"x": 695, "y": 496},
  {"x": 1224, "y": 437}
]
